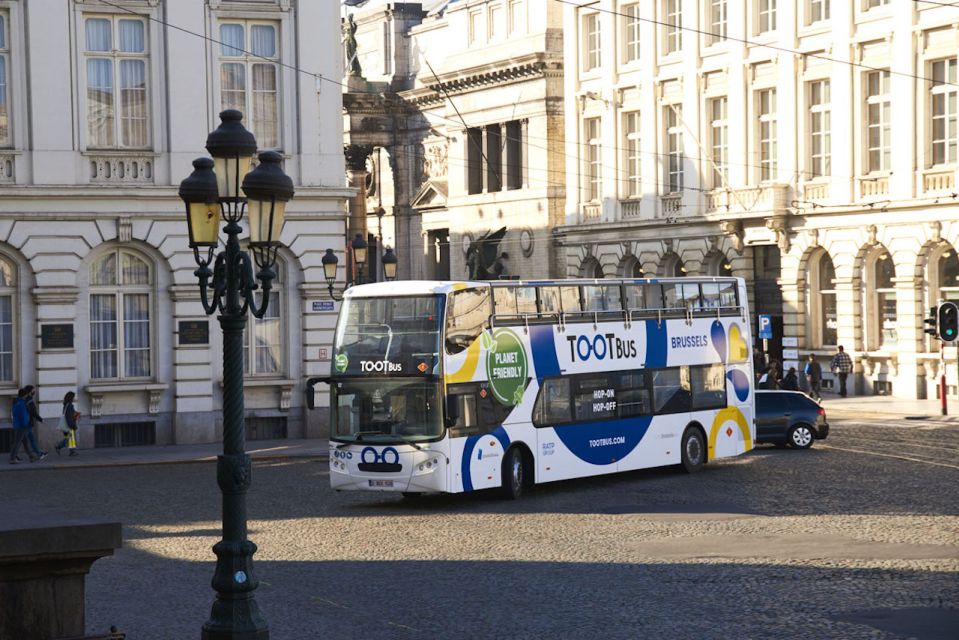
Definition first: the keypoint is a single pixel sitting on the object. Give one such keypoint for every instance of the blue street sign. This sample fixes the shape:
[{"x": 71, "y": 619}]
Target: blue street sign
[
  {"x": 323, "y": 305},
  {"x": 765, "y": 327}
]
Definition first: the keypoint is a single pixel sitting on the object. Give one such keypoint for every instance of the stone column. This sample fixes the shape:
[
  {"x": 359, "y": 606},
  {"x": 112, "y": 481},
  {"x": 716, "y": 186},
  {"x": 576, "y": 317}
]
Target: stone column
[
  {"x": 909, "y": 336},
  {"x": 356, "y": 156}
]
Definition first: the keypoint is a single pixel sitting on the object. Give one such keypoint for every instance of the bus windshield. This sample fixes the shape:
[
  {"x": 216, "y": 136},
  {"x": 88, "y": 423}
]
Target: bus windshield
[
  {"x": 378, "y": 410},
  {"x": 389, "y": 336}
]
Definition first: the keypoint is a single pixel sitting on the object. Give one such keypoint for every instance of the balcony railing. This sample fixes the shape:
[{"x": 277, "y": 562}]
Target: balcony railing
[
  {"x": 816, "y": 191},
  {"x": 592, "y": 211},
  {"x": 672, "y": 204},
  {"x": 114, "y": 168},
  {"x": 939, "y": 181},
  {"x": 761, "y": 200},
  {"x": 873, "y": 187},
  {"x": 630, "y": 209}
]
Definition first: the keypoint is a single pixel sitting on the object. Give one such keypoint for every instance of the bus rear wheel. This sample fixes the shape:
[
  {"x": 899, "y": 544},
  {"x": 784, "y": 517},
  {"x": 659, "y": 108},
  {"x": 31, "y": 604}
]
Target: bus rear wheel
[
  {"x": 693, "y": 450},
  {"x": 514, "y": 474}
]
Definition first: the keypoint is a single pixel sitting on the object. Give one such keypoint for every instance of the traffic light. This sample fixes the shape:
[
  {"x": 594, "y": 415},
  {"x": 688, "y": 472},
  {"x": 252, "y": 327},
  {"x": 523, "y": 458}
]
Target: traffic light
[
  {"x": 948, "y": 324},
  {"x": 932, "y": 321}
]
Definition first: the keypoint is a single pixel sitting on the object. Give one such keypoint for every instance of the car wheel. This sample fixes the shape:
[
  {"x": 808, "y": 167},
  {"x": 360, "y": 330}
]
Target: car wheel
[
  {"x": 800, "y": 437},
  {"x": 514, "y": 474},
  {"x": 693, "y": 450}
]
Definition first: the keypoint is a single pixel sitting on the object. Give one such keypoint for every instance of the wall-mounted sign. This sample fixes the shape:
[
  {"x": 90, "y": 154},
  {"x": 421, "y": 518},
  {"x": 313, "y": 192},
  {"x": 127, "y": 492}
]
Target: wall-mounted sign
[
  {"x": 324, "y": 353},
  {"x": 323, "y": 305},
  {"x": 790, "y": 354},
  {"x": 193, "y": 332},
  {"x": 56, "y": 336},
  {"x": 790, "y": 342}
]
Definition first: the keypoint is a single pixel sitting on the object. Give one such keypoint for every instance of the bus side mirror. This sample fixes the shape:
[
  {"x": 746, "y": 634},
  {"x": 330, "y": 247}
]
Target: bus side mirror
[{"x": 452, "y": 411}]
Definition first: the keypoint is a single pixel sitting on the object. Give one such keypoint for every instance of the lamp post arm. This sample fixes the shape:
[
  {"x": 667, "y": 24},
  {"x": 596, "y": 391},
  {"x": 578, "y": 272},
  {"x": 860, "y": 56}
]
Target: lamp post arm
[
  {"x": 266, "y": 277},
  {"x": 204, "y": 275}
]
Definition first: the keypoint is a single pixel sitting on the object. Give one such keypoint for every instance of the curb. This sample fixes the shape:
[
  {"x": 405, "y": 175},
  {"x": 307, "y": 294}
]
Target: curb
[{"x": 36, "y": 466}]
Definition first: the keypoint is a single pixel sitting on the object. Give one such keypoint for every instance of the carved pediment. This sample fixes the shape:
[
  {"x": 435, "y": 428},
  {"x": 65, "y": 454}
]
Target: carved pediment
[{"x": 432, "y": 195}]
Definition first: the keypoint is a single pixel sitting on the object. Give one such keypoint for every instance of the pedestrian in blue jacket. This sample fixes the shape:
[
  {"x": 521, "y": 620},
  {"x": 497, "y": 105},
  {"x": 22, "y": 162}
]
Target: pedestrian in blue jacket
[{"x": 21, "y": 428}]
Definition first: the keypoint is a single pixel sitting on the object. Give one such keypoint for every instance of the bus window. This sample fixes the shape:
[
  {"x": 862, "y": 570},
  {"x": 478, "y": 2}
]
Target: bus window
[
  {"x": 549, "y": 300},
  {"x": 525, "y": 300},
  {"x": 727, "y": 294},
  {"x": 461, "y": 406},
  {"x": 710, "y": 295},
  {"x": 691, "y": 299},
  {"x": 602, "y": 298},
  {"x": 569, "y": 296},
  {"x": 595, "y": 398},
  {"x": 469, "y": 312},
  {"x": 672, "y": 296},
  {"x": 504, "y": 301},
  {"x": 708, "y": 385},
  {"x": 552, "y": 404},
  {"x": 636, "y": 296},
  {"x": 633, "y": 395},
  {"x": 671, "y": 390}
]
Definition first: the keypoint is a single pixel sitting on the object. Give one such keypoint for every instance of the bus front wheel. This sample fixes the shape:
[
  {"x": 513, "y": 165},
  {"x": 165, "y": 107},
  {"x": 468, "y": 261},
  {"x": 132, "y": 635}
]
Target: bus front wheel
[
  {"x": 694, "y": 450},
  {"x": 514, "y": 474}
]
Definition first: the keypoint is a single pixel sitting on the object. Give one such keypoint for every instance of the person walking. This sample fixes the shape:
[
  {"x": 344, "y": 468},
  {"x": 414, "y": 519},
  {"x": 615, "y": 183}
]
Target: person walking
[
  {"x": 841, "y": 366},
  {"x": 769, "y": 379},
  {"x": 34, "y": 418},
  {"x": 759, "y": 362},
  {"x": 69, "y": 421},
  {"x": 20, "y": 416},
  {"x": 791, "y": 380},
  {"x": 813, "y": 371}
]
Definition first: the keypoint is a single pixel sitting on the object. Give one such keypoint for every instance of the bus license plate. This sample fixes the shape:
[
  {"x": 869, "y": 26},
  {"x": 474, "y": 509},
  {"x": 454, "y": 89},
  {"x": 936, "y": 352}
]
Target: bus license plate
[{"x": 381, "y": 483}]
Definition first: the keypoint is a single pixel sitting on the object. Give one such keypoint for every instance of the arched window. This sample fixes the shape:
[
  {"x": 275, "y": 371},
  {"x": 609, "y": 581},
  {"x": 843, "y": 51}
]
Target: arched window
[
  {"x": 263, "y": 337},
  {"x": 885, "y": 299},
  {"x": 673, "y": 266},
  {"x": 824, "y": 321},
  {"x": 638, "y": 271},
  {"x": 8, "y": 290},
  {"x": 948, "y": 279},
  {"x": 591, "y": 268},
  {"x": 718, "y": 265},
  {"x": 120, "y": 303}
]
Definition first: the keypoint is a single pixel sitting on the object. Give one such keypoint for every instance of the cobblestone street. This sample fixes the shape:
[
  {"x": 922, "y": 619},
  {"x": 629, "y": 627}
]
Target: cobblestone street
[{"x": 856, "y": 538}]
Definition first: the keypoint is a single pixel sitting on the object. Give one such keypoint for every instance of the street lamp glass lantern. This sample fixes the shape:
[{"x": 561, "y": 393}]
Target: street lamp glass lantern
[
  {"x": 267, "y": 190},
  {"x": 199, "y": 194},
  {"x": 359, "y": 249},
  {"x": 389, "y": 264},
  {"x": 329, "y": 261},
  {"x": 232, "y": 148}
]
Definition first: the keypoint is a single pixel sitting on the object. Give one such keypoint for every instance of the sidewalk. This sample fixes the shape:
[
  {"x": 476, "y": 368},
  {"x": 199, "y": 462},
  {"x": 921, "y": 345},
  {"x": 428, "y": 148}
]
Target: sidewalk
[
  {"x": 181, "y": 453},
  {"x": 889, "y": 406}
]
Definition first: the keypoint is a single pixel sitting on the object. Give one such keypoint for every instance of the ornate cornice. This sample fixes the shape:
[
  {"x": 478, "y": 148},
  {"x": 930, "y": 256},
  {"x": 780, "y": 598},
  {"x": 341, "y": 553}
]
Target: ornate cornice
[{"x": 485, "y": 77}]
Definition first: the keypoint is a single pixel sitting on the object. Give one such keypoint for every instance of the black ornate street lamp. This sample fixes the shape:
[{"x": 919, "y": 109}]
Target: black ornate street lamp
[
  {"x": 389, "y": 264},
  {"x": 330, "y": 261},
  {"x": 212, "y": 190},
  {"x": 360, "y": 248}
]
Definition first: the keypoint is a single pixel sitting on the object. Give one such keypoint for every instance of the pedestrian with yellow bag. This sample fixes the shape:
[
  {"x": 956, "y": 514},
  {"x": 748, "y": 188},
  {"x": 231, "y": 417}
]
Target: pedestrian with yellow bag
[{"x": 69, "y": 421}]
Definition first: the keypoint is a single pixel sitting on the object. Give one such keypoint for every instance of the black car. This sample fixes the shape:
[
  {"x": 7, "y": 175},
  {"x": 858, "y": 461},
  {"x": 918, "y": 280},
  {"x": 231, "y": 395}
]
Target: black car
[{"x": 789, "y": 418}]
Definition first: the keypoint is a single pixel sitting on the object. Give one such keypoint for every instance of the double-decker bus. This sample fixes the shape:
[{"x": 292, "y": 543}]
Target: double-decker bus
[{"x": 460, "y": 386}]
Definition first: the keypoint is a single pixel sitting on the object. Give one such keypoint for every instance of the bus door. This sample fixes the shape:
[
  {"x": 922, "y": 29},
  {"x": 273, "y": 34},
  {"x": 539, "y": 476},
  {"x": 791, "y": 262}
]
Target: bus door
[{"x": 473, "y": 415}]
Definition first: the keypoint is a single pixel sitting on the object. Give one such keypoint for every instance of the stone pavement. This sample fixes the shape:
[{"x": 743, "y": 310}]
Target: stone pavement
[
  {"x": 125, "y": 456},
  {"x": 876, "y": 406}
]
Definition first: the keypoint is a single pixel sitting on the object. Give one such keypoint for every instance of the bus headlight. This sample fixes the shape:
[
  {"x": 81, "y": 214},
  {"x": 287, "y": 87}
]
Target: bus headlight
[{"x": 427, "y": 466}]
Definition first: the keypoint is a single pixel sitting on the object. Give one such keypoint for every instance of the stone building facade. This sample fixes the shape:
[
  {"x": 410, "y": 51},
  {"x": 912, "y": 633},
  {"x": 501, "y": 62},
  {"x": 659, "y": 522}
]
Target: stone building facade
[
  {"x": 462, "y": 101},
  {"x": 103, "y": 106},
  {"x": 808, "y": 146}
]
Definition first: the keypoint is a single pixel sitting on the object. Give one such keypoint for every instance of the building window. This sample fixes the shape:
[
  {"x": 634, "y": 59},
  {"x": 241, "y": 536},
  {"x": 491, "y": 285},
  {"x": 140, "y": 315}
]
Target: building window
[
  {"x": 4, "y": 83},
  {"x": 766, "y": 20},
  {"x": 878, "y": 122},
  {"x": 116, "y": 53},
  {"x": 674, "y": 148},
  {"x": 631, "y": 146},
  {"x": 718, "y": 140},
  {"x": 820, "y": 128},
  {"x": 948, "y": 279},
  {"x": 591, "y": 51},
  {"x": 249, "y": 70},
  {"x": 631, "y": 33},
  {"x": 8, "y": 290},
  {"x": 263, "y": 337},
  {"x": 944, "y": 111},
  {"x": 872, "y": 4},
  {"x": 673, "y": 29},
  {"x": 884, "y": 271},
  {"x": 766, "y": 108},
  {"x": 120, "y": 303},
  {"x": 717, "y": 22},
  {"x": 822, "y": 276},
  {"x": 516, "y": 21},
  {"x": 594, "y": 171},
  {"x": 818, "y": 11},
  {"x": 485, "y": 168}
]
